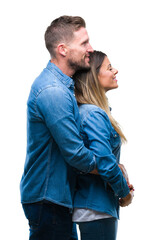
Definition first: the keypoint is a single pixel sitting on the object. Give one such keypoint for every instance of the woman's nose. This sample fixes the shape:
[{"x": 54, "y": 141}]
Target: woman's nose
[{"x": 115, "y": 71}]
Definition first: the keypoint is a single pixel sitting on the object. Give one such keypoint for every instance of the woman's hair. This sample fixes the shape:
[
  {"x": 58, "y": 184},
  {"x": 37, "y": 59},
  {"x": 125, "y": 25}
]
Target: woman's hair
[
  {"x": 62, "y": 30},
  {"x": 89, "y": 91}
]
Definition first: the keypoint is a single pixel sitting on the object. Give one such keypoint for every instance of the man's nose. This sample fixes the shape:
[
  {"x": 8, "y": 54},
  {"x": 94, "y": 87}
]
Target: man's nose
[{"x": 90, "y": 49}]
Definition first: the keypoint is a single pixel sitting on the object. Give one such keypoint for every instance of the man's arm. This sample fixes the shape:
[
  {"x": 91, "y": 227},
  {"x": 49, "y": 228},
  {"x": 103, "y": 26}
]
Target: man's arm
[{"x": 56, "y": 108}]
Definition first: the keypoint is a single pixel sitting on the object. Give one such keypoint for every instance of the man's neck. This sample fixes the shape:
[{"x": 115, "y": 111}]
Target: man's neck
[{"x": 63, "y": 67}]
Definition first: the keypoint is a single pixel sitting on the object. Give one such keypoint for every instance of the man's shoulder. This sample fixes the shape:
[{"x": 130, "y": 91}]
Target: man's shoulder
[{"x": 46, "y": 80}]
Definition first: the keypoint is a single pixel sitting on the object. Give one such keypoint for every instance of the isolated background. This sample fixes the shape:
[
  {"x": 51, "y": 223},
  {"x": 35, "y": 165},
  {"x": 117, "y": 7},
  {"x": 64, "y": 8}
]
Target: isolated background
[{"x": 124, "y": 31}]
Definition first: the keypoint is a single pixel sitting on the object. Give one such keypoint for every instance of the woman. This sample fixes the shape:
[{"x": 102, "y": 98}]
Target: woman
[{"x": 96, "y": 202}]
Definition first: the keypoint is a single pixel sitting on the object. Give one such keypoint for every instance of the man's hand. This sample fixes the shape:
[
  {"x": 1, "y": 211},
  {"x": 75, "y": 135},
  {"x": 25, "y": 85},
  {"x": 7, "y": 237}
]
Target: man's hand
[
  {"x": 95, "y": 172},
  {"x": 124, "y": 202}
]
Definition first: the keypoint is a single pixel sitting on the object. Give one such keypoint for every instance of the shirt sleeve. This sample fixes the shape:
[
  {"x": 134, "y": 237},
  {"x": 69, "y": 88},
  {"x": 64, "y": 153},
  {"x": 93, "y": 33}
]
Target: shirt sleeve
[
  {"x": 56, "y": 108},
  {"x": 97, "y": 129}
]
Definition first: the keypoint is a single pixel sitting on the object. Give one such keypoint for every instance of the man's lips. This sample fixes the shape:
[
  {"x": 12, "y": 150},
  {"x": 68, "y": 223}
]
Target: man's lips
[{"x": 87, "y": 57}]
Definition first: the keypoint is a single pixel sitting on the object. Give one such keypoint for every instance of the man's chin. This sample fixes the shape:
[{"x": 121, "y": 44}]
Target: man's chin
[
  {"x": 85, "y": 66},
  {"x": 80, "y": 66}
]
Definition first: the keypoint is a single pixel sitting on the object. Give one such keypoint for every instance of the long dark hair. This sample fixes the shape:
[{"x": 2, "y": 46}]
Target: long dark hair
[{"x": 88, "y": 89}]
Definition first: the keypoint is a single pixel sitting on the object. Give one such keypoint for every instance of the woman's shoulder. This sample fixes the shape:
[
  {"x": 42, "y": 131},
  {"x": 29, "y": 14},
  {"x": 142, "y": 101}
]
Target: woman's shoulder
[
  {"x": 92, "y": 112},
  {"x": 85, "y": 109}
]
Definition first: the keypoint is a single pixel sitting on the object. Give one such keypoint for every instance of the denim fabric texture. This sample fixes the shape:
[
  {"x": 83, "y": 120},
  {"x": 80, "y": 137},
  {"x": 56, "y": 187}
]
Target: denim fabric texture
[
  {"x": 100, "y": 193},
  {"x": 54, "y": 146},
  {"x": 49, "y": 221},
  {"x": 104, "y": 229}
]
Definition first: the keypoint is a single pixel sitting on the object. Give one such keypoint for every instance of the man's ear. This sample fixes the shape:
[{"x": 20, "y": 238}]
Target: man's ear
[{"x": 62, "y": 49}]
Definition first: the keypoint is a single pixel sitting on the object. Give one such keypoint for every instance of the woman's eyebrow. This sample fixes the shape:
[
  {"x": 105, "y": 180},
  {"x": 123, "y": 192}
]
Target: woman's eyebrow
[{"x": 109, "y": 65}]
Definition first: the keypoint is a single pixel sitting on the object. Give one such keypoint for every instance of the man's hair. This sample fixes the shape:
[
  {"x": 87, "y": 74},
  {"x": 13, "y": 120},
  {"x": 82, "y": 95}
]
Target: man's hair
[{"x": 61, "y": 30}]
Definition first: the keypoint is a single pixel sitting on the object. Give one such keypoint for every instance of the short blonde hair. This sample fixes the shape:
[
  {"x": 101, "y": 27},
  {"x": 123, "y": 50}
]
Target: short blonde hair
[{"x": 62, "y": 30}]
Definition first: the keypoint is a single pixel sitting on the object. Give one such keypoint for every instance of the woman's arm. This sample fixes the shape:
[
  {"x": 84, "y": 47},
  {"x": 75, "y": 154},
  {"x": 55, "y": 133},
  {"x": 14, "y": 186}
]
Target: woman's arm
[{"x": 97, "y": 128}]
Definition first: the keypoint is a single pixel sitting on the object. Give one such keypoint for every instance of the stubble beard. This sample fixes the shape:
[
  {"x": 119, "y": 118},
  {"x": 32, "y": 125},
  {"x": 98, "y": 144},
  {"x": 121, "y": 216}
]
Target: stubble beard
[{"x": 78, "y": 65}]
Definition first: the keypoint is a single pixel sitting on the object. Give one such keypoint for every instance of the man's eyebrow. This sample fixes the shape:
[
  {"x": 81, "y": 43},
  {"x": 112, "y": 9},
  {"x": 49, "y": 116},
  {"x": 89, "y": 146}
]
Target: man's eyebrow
[{"x": 86, "y": 41}]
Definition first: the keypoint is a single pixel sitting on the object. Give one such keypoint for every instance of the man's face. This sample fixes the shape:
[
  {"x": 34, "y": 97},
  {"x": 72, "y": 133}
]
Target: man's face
[{"x": 78, "y": 50}]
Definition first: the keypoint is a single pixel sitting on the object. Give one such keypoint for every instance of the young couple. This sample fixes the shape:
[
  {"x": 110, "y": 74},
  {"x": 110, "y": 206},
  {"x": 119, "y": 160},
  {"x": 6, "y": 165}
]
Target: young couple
[{"x": 72, "y": 168}]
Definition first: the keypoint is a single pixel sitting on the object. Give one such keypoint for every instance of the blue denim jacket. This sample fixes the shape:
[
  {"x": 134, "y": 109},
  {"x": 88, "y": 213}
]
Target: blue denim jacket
[
  {"x": 100, "y": 193},
  {"x": 54, "y": 146}
]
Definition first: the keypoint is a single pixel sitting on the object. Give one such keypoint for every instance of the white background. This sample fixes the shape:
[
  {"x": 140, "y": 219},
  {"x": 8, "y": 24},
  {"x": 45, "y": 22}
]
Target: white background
[{"x": 124, "y": 31}]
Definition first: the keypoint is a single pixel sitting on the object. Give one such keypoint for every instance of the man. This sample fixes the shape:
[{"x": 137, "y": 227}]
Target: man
[{"x": 54, "y": 147}]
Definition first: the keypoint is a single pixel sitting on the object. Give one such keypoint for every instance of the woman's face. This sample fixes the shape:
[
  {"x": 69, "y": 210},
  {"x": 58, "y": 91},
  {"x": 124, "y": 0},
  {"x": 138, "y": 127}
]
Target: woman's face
[{"x": 107, "y": 75}]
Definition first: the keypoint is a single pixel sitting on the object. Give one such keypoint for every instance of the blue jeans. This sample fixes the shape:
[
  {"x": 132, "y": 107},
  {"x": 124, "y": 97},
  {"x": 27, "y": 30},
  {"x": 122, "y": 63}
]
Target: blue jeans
[
  {"x": 104, "y": 229},
  {"x": 49, "y": 221}
]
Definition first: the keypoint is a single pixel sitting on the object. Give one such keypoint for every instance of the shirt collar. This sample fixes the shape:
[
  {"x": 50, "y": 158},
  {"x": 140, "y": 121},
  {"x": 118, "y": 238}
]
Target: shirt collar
[{"x": 66, "y": 80}]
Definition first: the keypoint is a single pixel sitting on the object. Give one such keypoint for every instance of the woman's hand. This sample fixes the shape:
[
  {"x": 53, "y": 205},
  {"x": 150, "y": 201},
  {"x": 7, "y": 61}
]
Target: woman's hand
[
  {"x": 124, "y": 202},
  {"x": 124, "y": 172}
]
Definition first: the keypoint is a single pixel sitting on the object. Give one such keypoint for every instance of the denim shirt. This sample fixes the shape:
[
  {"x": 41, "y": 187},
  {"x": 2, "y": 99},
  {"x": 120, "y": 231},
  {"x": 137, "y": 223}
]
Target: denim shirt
[
  {"x": 100, "y": 193},
  {"x": 54, "y": 146}
]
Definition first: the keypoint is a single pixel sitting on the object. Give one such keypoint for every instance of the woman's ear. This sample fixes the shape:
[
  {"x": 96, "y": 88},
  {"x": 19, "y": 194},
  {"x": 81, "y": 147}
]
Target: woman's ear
[{"x": 62, "y": 49}]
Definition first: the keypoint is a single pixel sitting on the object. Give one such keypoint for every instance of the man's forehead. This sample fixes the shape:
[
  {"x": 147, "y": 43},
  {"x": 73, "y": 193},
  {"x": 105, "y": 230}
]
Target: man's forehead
[{"x": 81, "y": 34}]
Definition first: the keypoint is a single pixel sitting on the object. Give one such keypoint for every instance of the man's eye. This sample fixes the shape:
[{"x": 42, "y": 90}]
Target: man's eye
[{"x": 84, "y": 43}]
